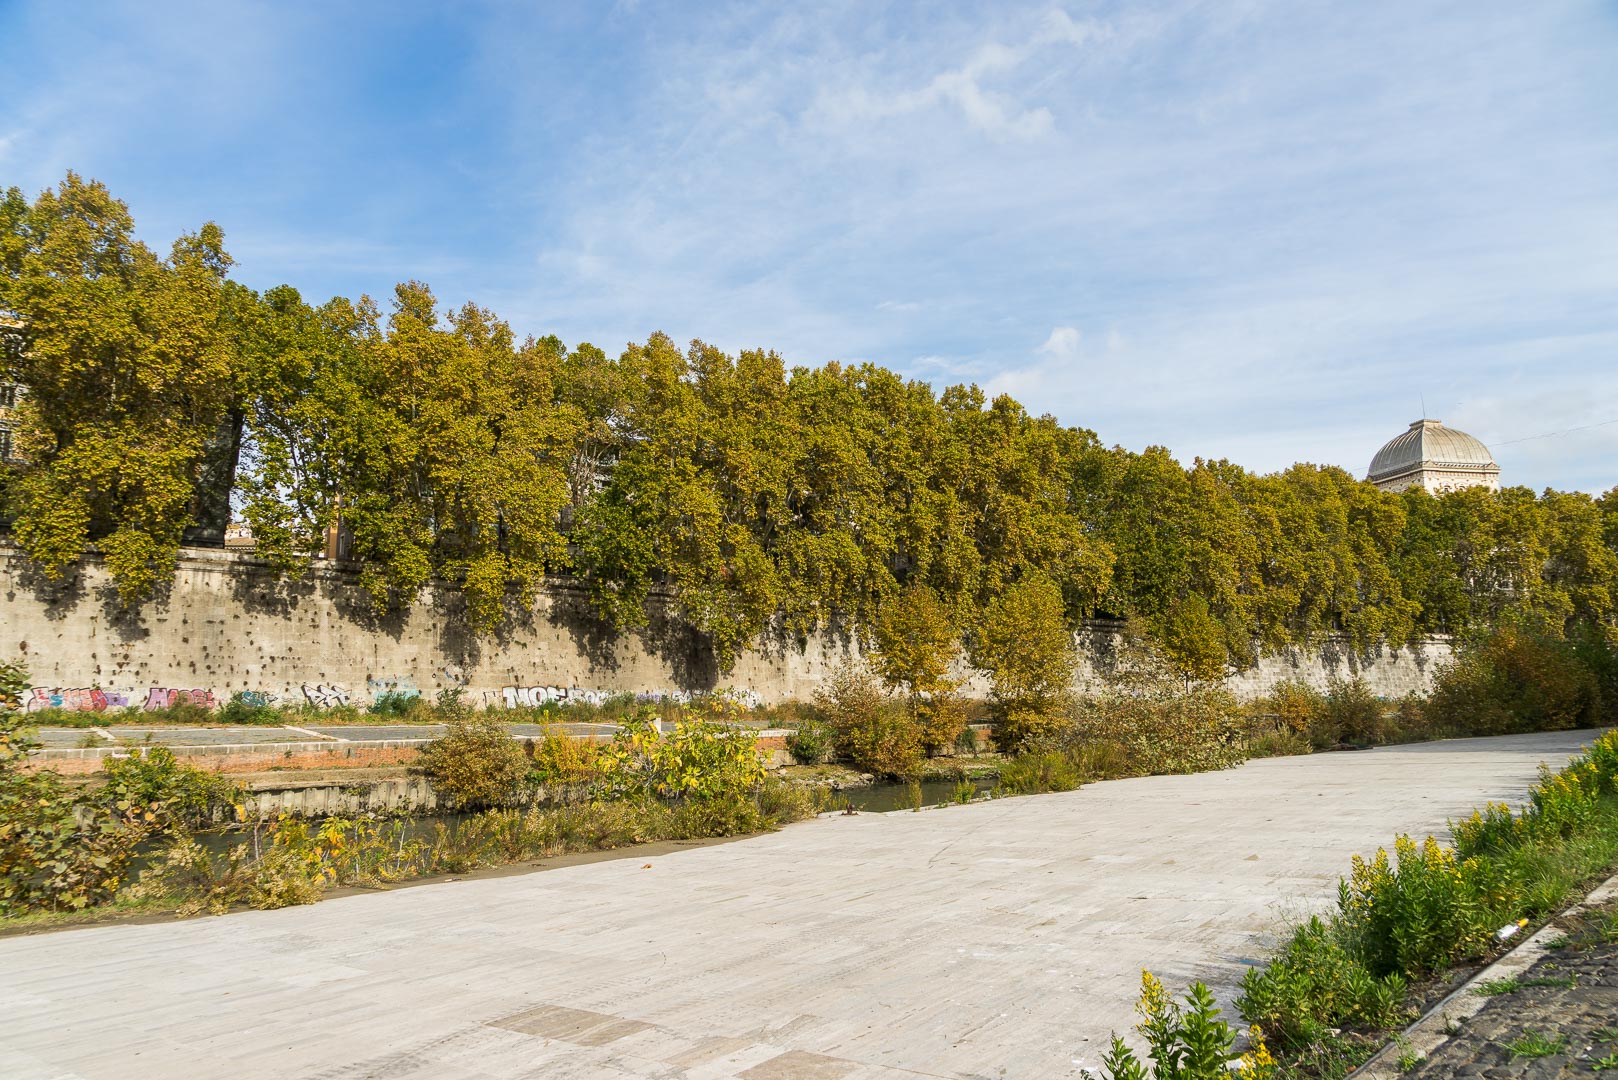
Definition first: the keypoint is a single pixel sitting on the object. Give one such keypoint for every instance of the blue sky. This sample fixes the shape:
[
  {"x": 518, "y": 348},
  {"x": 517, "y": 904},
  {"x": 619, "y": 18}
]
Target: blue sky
[{"x": 1255, "y": 230}]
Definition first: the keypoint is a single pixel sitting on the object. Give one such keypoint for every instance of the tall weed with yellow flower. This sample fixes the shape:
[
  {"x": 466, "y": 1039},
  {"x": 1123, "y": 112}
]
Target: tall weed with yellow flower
[
  {"x": 1186, "y": 1043},
  {"x": 1429, "y": 905}
]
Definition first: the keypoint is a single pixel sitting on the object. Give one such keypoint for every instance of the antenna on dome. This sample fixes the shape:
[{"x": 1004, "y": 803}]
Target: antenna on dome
[{"x": 1423, "y": 405}]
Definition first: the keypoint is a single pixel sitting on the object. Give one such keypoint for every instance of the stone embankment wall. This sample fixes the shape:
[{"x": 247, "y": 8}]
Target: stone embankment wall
[{"x": 225, "y": 625}]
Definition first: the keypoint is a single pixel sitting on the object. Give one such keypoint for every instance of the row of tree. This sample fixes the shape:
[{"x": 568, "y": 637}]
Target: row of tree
[{"x": 160, "y": 395}]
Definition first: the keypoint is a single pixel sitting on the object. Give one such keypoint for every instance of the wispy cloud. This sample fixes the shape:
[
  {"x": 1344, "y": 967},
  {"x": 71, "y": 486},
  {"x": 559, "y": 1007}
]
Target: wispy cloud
[{"x": 968, "y": 88}]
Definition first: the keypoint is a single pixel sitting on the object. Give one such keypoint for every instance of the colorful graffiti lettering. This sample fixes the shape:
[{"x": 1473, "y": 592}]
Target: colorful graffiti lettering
[
  {"x": 512, "y": 697},
  {"x": 162, "y": 697},
  {"x": 77, "y": 699},
  {"x": 257, "y": 699},
  {"x": 325, "y": 695}
]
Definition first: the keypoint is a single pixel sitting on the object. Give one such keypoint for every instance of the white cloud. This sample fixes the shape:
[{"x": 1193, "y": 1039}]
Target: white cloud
[
  {"x": 1062, "y": 345},
  {"x": 968, "y": 87}
]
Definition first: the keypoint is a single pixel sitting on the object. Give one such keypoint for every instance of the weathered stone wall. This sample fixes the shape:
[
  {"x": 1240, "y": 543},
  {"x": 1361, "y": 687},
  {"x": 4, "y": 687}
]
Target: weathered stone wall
[{"x": 225, "y": 625}]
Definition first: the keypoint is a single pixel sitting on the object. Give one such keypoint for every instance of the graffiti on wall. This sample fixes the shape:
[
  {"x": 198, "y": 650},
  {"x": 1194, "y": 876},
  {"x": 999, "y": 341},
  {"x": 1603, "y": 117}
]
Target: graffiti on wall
[
  {"x": 325, "y": 695},
  {"x": 95, "y": 699},
  {"x": 331, "y": 695},
  {"x": 161, "y": 698},
  {"x": 512, "y": 697}
]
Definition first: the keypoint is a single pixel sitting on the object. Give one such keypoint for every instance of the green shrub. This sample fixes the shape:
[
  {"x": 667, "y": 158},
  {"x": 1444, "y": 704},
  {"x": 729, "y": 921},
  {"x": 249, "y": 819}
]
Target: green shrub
[
  {"x": 812, "y": 742},
  {"x": 56, "y": 855},
  {"x": 705, "y": 757},
  {"x": 939, "y": 720},
  {"x": 1039, "y": 771},
  {"x": 245, "y": 708},
  {"x": 885, "y": 743},
  {"x": 1167, "y": 731},
  {"x": 1420, "y": 911},
  {"x": 1313, "y": 986},
  {"x": 874, "y": 732},
  {"x": 174, "y": 796},
  {"x": 1409, "y": 721},
  {"x": 1099, "y": 759},
  {"x": 1294, "y": 706},
  {"x": 1278, "y": 743},
  {"x": 475, "y": 763},
  {"x": 1024, "y": 724},
  {"x": 558, "y": 758},
  {"x": 180, "y": 714},
  {"x": 1353, "y": 714},
  {"x": 1518, "y": 679},
  {"x": 401, "y": 704}
]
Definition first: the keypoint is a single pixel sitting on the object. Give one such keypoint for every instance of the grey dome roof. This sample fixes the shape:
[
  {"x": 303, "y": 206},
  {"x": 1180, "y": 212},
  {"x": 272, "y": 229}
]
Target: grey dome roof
[{"x": 1429, "y": 443}]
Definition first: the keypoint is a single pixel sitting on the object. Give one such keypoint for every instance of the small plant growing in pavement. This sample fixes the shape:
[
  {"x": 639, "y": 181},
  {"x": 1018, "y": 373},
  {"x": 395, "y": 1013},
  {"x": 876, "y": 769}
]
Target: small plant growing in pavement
[
  {"x": 1409, "y": 1058},
  {"x": 1185, "y": 1043},
  {"x": 1535, "y": 1044},
  {"x": 1496, "y": 987}
]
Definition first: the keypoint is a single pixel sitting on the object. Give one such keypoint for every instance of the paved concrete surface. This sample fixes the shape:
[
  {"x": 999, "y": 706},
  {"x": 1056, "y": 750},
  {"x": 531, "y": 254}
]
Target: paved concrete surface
[
  {"x": 244, "y": 734},
  {"x": 54, "y": 738},
  {"x": 1002, "y": 939}
]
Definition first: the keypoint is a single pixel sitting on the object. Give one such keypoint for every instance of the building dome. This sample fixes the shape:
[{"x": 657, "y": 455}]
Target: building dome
[{"x": 1434, "y": 457}]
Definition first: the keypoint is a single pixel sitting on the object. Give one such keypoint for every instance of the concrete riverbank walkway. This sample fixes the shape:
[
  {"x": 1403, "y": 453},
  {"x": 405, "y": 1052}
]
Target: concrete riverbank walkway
[{"x": 1002, "y": 939}]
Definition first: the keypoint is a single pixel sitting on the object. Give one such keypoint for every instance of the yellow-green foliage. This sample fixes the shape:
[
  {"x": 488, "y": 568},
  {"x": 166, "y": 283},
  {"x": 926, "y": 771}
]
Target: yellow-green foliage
[
  {"x": 1420, "y": 911},
  {"x": 1039, "y": 771},
  {"x": 1168, "y": 732},
  {"x": 873, "y": 731},
  {"x": 476, "y": 763},
  {"x": 290, "y": 861},
  {"x": 1024, "y": 643},
  {"x": 559, "y": 758},
  {"x": 66, "y": 848},
  {"x": 1316, "y": 986},
  {"x": 885, "y": 742},
  {"x": 706, "y": 757},
  {"x": 1295, "y": 706},
  {"x": 1518, "y": 679},
  {"x": 939, "y": 720}
]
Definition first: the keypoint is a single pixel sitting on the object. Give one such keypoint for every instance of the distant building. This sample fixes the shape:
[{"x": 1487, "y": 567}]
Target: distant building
[
  {"x": 238, "y": 535},
  {"x": 1434, "y": 457}
]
